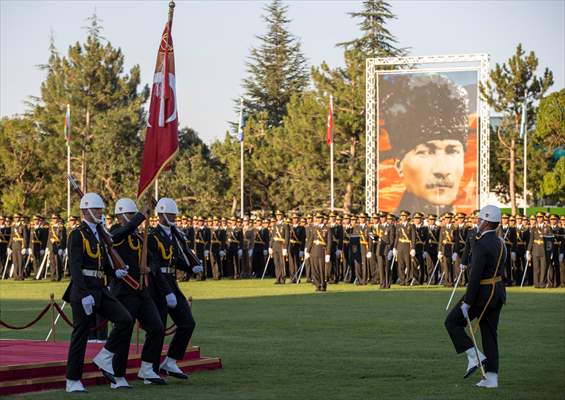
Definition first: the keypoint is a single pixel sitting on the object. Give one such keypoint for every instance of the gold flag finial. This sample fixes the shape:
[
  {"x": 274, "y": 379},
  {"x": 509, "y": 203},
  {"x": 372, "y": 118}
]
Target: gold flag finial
[{"x": 171, "y": 11}]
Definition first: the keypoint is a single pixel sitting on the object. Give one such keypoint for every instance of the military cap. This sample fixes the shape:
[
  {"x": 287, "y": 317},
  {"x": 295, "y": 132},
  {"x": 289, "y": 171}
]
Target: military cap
[
  {"x": 215, "y": 219},
  {"x": 390, "y": 216},
  {"x": 1, "y": 217},
  {"x": 505, "y": 216},
  {"x": 273, "y": 220},
  {"x": 519, "y": 217},
  {"x": 332, "y": 214},
  {"x": 200, "y": 218},
  {"x": 447, "y": 215},
  {"x": 362, "y": 215},
  {"x": 17, "y": 215},
  {"x": 540, "y": 214},
  {"x": 553, "y": 216},
  {"x": 346, "y": 216},
  {"x": 303, "y": 219},
  {"x": 37, "y": 217},
  {"x": 532, "y": 217},
  {"x": 432, "y": 216},
  {"x": 279, "y": 212},
  {"x": 246, "y": 218},
  {"x": 512, "y": 218},
  {"x": 404, "y": 213},
  {"x": 562, "y": 218},
  {"x": 418, "y": 215},
  {"x": 461, "y": 215},
  {"x": 319, "y": 214},
  {"x": 339, "y": 218}
]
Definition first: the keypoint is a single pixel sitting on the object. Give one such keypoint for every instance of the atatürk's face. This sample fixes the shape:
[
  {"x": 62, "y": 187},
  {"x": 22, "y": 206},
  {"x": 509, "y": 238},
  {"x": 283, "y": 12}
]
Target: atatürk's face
[{"x": 433, "y": 170}]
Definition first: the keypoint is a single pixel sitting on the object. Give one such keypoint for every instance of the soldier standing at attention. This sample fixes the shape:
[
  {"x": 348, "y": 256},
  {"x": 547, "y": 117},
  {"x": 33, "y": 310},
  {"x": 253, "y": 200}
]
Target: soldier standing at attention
[
  {"x": 319, "y": 248},
  {"x": 279, "y": 247},
  {"x": 56, "y": 244},
  {"x": 296, "y": 248},
  {"x": 365, "y": 245},
  {"x": 431, "y": 248},
  {"x": 404, "y": 247},
  {"x": 18, "y": 244},
  {"x": 536, "y": 251},
  {"x": 508, "y": 233},
  {"x": 421, "y": 238},
  {"x": 248, "y": 231},
  {"x": 234, "y": 239},
  {"x": 4, "y": 240},
  {"x": 445, "y": 253},
  {"x": 483, "y": 300},
  {"x": 522, "y": 239}
]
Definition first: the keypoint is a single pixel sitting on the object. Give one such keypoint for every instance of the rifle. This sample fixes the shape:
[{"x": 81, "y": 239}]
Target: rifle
[{"x": 106, "y": 239}]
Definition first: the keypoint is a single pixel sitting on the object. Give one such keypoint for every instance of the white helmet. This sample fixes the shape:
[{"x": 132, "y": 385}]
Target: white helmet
[
  {"x": 91, "y": 200},
  {"x": 167, "y": 206},
  {"x": 124, "y": 206},
  {"x": 490, "y": 213}
]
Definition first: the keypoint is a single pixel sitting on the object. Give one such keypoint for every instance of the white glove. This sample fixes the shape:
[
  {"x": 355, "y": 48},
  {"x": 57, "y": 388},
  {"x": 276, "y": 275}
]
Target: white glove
[
  {"x": 561, "y": 258},
  {"x": 201, "y": 262},
  {"x": 513, "y": 256},
  {"x": 463, "y": 267},
  {"x": 222, "y": 253},
  {"x": 171, "y": 300},
  {"x": 197, "y": 269},
  {"x": 389, "y": 255},
  {"x": 285, "y": 252},
  {"x": 29, "y": 251},
  {"x": 454, "y": 257},
  {"x": 265, "y": 252},
  {"x": 465, "y": 309},
  {"x": 24, "y": 251},
  {"x": 439, "y": 255},
  {"x": 338, "y": 253},
  {"x": 88, "y": 304},
  {"x": 206, "y": 253},
  {"x": 240, "y": 253},
  {"x": 327, "y": 258},
  {"x": 412, "y": 253},
  {"x": 65, "y": 251},
  {"x": 394, "y": 252},
  {"x": 41, "y": 252},
  {"x": 60, "y": 252},
  {"x": 306, "y": 255},
  {"x": 270, "y": 251},
  {"x": 9, "y": 252},
  {"x": 250, "y": 253},
  {"x": 301, "y": 254},
  {"x": 369, "y": 254},
  {"x": 426, "y": 254},
  {"x": 528, "y": 255},
  {"x": 120, "y": 273}
]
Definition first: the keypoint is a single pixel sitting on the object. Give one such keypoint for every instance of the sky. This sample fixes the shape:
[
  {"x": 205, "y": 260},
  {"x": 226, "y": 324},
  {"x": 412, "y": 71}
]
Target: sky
[{"x": 213, "y": 40}]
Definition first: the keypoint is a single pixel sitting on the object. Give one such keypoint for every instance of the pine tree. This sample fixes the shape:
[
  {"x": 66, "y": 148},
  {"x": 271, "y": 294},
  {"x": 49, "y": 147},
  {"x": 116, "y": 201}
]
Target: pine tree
[
  {"x": 107, "y": 115},
  {"x": 276, "y": 68}
]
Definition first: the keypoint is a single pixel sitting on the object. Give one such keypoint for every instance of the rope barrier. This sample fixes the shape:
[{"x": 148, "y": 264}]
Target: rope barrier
[{"x": 39, "y": 316}]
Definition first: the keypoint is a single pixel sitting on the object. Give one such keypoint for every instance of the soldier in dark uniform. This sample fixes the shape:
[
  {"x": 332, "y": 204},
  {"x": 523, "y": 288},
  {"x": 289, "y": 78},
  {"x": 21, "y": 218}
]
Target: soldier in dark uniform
[
  {"x": 38, "y": 241},
  {"x": 404, "y": 247},
  {"x": 431, "y": 249},
  {"x": 459, "y": 238},
  {"x": 508, "y": 233},
  {"x": 248, "y": 232},
  {"x": 139, "y": 303},
  {"x": 234, "y": 241},
  {"x": 217, "y": 248},
  {"x": 319, "y": 248},
  {"x": 87, "y": 293},
  {"x": 562, "y": 251},
  {"x": 555, "y": 252},
  {"x": 536, "y": 250},
  {"x": 383, "y": 248},
  {"x": 18, "y": 244},
  {"x": 420, "y": 240},
  {"x": 167, "y": 253},
  {"x": 445, "y": 253},
  {"x": 56, "y": 245},
  {"x": 522, "y": 239},
  {"x": 346, "y": 249},
  {"x": 466, "y": 251},
  {"x": 279, "y": 247},
  {"x": 4, "y": 240},
  {"x": 483, "y": 299},
  {"x": 362, "y": 266},
  {"x": 373, "y": 265},
  {"x": 336, "y": 245},
  {"x": 260, "y": 247},
  {"x": 296, "y": 247},
  {"x": 201, "y": 245},
  {"x": 307, "y": 262}
]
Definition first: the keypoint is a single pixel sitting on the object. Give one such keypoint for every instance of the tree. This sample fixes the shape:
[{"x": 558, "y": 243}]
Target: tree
[
  {"x": 376, "y": 39},
  {"x": 515, "y": 83},
  {"x": 107, "y": 115},
  {"x": 276, "y": 69}
]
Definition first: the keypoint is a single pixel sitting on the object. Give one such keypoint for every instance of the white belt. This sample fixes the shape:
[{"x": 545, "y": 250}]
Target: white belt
[
  {"x": 93, "y": 273},
  {"x": 168, "y": 270}
]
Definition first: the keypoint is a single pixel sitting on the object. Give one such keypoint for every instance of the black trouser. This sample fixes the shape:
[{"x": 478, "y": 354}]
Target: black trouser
[
  {"x": 294, "y": 263},
  {"x": 258, "y": 264},
  {"x": 55, "y": 265},
  {"x": 113, "y": 311},
  {"x": 216, "y": 263},
  {"x": 36, "y": 261},
  {"x": 18, "y": 263},
  {"x": 431, "y": 261},
  {"x": 519, "y": 266},
  {"x": 141, "y": 307},
  {"x": 374, "y": 268},
  {"x": 447, "y": 269},
  {"x": 232, "y": 266},
  {"x": 418, "y": 268},
  {"x": 320, "y": 271},
  {"x": 185, "y": 324},
  {"x": 540, "y": 270},
  {"x": 508, "y": 278},
  {"x": 455, "y": 324},
  {"x": 553, "y": 270},
  {"x": 383, "y": 271}
]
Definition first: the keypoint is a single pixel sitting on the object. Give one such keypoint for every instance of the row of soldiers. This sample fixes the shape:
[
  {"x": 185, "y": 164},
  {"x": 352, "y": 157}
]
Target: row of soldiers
[{"x": 379, "y": 249}]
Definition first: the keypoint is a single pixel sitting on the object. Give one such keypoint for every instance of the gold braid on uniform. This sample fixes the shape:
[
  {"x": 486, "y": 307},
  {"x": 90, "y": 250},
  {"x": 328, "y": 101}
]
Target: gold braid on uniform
[
  {"x": 502, "y": 248},
  {"x": 88, "y": 249},
  {"x": 164, "y": 254}
]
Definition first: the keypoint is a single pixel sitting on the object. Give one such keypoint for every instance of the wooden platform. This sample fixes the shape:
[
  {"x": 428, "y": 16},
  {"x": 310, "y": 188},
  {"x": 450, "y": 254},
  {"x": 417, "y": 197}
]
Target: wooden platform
[{"x": 32, "y": 365}]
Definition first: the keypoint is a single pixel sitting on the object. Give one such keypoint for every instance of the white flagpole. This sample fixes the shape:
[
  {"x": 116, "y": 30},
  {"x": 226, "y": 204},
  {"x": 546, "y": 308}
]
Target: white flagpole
[
  {"x": 241, "y": 154},
  {"x": 524, "y": 128},
  {"x": 156, "y": 189},
  {"x": 68, "y": 134},
  {"x": 332, "y": 160}
]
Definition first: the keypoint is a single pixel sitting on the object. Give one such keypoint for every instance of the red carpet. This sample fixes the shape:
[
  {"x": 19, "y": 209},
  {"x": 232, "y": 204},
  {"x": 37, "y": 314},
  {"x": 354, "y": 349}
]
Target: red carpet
[{"x": 32, "y": 365}]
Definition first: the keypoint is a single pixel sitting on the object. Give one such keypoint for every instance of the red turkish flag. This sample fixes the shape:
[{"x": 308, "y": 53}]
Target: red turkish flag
[
  {"x": 329, "y": 133},
  {"x": 161, "y": 138}
]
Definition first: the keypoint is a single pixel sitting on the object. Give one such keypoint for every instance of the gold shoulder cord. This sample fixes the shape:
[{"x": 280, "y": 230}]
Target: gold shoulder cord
[
  {"x": 161, "y": 246},
  {"x": 88, "y": 249},
  {"x": 476, "y": 328}
]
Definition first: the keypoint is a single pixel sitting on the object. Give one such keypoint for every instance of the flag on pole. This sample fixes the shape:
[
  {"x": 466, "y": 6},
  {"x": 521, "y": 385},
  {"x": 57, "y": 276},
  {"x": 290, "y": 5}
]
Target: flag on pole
[
  {"x": 241, "y": 122},
  {"x": 523, "y": 120},
  {"x": 68, "y": 124},
  {"x": 161, "y": 139},
  {"x": 329, "y": 133}
]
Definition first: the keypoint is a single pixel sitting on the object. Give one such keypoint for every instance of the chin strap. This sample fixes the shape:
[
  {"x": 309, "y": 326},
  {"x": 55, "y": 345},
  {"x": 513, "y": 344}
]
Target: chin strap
[
  {"x": 94, "y": 219},
  {"x": 169, "y": 222}
]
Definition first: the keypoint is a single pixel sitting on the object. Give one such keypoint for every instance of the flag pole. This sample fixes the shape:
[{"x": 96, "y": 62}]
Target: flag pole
[
  {"x": 524, "y": 129},
  {"x": 156, "y": 189},
  {"x": 68, "y": 139},
  {"x": 332, "y": 162},
  {"x": 241, "y": 172}
]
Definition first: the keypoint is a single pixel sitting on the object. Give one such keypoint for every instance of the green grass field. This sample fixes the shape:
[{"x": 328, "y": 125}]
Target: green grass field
[{"x": 286, "y": 342}]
